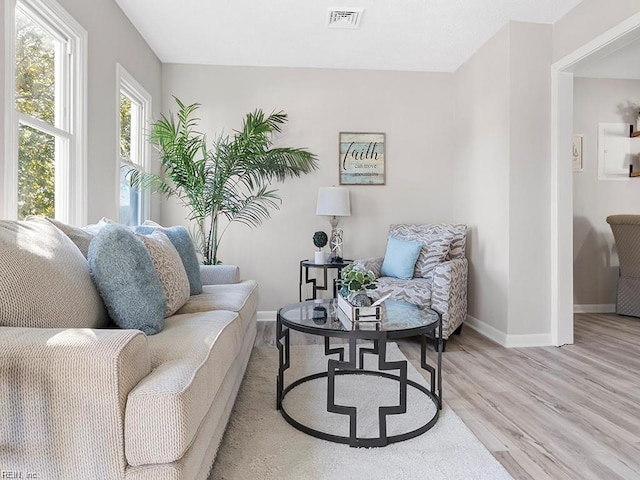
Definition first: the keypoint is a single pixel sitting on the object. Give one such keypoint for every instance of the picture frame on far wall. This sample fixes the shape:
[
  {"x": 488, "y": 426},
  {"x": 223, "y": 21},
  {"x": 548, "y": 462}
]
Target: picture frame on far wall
[
  {"x": 577, "y": 152},
  {"x": 362, "y": 158}
]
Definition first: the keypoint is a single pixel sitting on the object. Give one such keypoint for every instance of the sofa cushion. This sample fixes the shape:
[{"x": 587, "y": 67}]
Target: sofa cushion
[
  {"x": 79, "y": 236},
  {"x": 190, "y": 359},
  {"x": 181, "y": 239},
  {"x": 219, "y": 274},
  {"x": 169, "y": 269},
  {"x": 400, "y": 258},
  {"x": 123, "y": 271},
  {"x": 436, "y": 239},
  {"x": 44, "y": 279},
  {"x": 239, "y": 297},
  {"x": 416, "y": 291}
]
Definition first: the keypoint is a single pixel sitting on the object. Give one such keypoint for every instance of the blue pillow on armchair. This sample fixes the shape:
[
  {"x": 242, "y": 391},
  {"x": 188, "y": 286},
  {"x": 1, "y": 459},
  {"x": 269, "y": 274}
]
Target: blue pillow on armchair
[{"x": 400, "y": 258}]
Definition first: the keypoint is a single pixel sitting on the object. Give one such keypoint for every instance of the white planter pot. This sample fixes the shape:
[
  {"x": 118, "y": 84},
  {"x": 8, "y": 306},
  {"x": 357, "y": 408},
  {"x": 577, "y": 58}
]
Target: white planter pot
[{"x": 319, "y": 258}]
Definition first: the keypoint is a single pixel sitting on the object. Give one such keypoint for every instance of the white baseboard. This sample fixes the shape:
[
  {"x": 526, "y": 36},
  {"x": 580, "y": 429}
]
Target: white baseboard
[
  {"x": 529, "y": 340},
  {"x": 506, "y": 340},
  {"x": 595, "y": 308},
  {"x": 266, "y": 315},
  {"x": 487, "y": 330}
]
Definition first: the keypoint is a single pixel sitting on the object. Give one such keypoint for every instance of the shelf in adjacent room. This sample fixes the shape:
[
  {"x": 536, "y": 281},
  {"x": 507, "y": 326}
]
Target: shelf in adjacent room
[{"x": 633, "y": 134}]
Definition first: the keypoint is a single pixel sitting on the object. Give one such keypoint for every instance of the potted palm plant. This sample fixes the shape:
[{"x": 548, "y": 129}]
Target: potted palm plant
[{"x": 230, "y": 180}]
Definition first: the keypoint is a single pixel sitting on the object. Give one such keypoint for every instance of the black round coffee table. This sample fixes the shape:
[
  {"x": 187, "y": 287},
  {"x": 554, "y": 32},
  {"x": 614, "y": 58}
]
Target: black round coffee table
[{"x": 398, "y": 320}]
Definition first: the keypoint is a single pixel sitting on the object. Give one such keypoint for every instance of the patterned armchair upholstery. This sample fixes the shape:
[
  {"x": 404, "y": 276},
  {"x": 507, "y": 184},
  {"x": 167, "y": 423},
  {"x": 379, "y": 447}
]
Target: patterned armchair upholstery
[
  {"x": 440, "y": 275},
  {"x": 626, "y": 233}
]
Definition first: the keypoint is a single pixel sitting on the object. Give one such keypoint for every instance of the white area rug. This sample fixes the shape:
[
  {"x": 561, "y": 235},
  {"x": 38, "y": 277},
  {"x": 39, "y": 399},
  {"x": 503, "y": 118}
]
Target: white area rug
[{"x": 259, "y": 444}]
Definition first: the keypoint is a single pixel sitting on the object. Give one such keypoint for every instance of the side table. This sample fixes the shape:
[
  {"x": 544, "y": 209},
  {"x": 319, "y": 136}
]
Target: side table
[{"x": 307, "y": 264}]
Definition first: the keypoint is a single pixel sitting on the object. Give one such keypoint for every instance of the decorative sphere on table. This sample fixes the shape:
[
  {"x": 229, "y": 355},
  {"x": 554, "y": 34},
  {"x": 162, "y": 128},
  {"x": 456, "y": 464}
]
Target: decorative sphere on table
[
  {"x": 320, "y": 239},
  {"x": 360, "y": 300}
]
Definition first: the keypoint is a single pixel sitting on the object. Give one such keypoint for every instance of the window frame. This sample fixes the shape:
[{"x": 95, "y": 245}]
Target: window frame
[
  {"x": 126, "y": 84},
  {"x": 71, "y": 172}
]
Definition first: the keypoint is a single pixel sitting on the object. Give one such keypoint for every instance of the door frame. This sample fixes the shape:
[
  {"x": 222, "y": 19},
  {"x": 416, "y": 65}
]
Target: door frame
[{"x": 561, "y": 171}]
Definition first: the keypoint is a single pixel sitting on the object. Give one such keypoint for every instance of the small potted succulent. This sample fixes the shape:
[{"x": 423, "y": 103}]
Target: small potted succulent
[
  {"x": 355, "y": 281},
  {"x": 320, "y": 239}
]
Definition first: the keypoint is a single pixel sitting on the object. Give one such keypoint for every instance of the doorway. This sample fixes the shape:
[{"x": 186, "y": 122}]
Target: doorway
[{"x": 562, "y": 107}]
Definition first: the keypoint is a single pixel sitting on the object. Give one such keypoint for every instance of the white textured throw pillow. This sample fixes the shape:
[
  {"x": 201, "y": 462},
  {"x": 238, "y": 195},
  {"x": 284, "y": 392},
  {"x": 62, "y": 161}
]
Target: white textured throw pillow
[
  {"x": 169, "y": 268},
  {"x": 44, "y": 279}
]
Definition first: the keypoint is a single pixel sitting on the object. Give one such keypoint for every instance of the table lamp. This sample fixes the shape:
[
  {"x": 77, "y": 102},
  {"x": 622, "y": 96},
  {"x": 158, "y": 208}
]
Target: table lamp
[{"x": 334, "y": 202}]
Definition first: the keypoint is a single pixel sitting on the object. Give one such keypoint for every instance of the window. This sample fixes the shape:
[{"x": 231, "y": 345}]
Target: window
[
  {"x": 44, "y": 172},
  {"x": 134, "y": 105}
]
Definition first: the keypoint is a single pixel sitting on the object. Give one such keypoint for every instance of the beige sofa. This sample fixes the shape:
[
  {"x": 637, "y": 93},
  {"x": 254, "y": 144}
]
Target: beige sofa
[{"x": 107, "y": 403}]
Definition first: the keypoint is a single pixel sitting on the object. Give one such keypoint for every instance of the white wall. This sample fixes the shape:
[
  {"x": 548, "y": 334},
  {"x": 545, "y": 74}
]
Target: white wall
[
  {"x": 586, "y": 21},
  {"x": 529, "y": 179},
  {"x": 112, "y": 39},
  {"x": 595, "y": 259},
  {"x": 501, "y": 178},
  {"x": 481, "y": 173},
  {"x": 415, "y": 112}
]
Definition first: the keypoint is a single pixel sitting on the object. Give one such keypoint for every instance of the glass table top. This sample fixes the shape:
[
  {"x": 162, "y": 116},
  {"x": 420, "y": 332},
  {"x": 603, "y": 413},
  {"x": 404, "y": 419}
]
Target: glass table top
[{"x": 326, "y": 315}]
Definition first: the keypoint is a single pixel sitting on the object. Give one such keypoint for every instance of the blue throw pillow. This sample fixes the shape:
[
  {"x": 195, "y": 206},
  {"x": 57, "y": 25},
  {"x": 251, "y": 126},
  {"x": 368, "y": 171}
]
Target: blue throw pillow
[
  {"x": 123, "y": 272},
  {"x": 400, "y": 258},
  {"x": 181, "y": 239}
]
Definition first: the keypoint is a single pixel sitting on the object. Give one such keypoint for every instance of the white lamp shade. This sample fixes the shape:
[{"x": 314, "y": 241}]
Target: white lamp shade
[{"x": 333, "y": 201}]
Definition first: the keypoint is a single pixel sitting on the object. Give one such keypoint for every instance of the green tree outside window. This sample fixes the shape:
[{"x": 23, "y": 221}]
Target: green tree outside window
[{"x": 35, "y": 97}]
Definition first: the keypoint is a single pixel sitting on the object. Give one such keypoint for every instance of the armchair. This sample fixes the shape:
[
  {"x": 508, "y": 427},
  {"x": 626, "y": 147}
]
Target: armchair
[{"x": 440, "y": 275}]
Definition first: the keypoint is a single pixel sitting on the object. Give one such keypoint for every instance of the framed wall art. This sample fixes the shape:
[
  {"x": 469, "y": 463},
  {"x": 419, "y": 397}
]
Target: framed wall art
[
  {"x": 362, "y": 158},
  {"x": 577, "y": 153}
]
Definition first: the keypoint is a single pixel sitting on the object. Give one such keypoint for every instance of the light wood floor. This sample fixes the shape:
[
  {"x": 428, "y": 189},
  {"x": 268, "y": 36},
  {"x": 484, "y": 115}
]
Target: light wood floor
[{"x": 547, "y": 413}]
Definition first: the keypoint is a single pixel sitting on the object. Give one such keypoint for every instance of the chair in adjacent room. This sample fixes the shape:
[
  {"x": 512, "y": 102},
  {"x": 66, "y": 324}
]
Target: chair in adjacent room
[{"x": 626, "y": 233}]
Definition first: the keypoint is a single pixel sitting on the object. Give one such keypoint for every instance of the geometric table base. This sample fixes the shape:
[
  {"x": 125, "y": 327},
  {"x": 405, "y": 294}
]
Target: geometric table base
[
  {"x": 347, "y": 368},
  {"x": 352, "y": 440},
  {"x": 400, "y": 321}
]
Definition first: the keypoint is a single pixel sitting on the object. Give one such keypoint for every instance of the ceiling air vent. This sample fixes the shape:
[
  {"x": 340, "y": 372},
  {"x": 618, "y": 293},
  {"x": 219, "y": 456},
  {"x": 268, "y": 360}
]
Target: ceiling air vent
[{"x": 344, "y": 17}]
